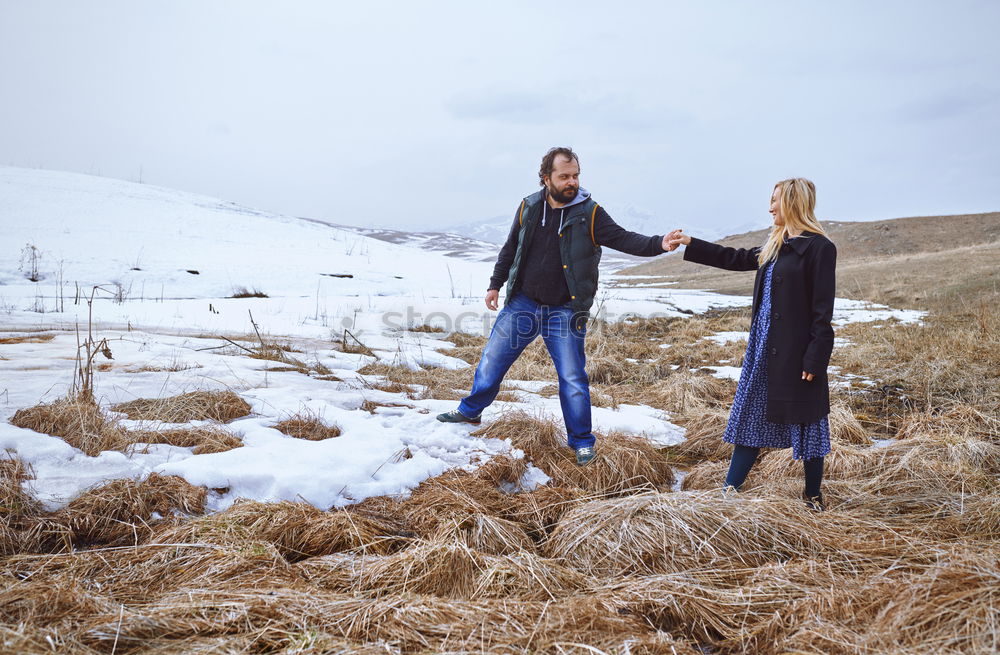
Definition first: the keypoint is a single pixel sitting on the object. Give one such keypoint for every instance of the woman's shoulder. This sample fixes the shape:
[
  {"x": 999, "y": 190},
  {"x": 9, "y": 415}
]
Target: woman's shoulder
[{"x": 818, "y": 242}]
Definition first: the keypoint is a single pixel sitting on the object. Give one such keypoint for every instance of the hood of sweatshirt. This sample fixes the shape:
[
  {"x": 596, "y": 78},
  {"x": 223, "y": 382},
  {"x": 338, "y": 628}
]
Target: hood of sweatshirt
[{"x": 581, "y": 195}]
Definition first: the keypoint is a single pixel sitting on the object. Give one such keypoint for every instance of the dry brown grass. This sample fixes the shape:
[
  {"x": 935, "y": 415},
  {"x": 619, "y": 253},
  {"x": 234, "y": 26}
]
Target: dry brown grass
[
  {"x": 439, "y": 383},
  {"x": 904, "y": 560},
  {"x": 663, "y": 533},
  {"x": 120, "y": 512},
  {"x": 206, "y": 439},
  {"x": 307, "y": 425},
  {"x": 296, "y": 530},
  {"x": 80, "y": 422},
  {"x": 371, "y": 406},
  {"x": 221, "y": 406},
  {"x": 425, "y": 329},
  {"x": 623, "y": 462},
  {"x": 18, "y": 532},
  {"x": 414, "y": 623},
  {"x": 449, "y": 569},
  {"x": 949, "y": 607},
  {"x": 27, "y": 338},
  {"x": 703, "y": 439}
]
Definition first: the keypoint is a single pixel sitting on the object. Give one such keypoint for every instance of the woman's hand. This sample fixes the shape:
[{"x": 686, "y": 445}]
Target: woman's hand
[
  {"x": 675, "y": 239},
  {"x": 808, "y": 377}
]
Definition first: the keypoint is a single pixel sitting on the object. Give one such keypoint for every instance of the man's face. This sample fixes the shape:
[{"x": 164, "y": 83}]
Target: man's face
[{"x": 564, "y": 181}]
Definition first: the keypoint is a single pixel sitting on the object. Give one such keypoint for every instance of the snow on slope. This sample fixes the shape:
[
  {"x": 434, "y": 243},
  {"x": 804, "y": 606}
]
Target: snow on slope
[
  {"x": 93, "y": 230},
  {"x": 102, "y": 229},
  {"x": 97, "y": 231}
]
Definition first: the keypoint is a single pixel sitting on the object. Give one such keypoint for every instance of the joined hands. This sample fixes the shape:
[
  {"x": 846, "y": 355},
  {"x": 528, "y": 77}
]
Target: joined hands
[{"x": 675, "y": 239}]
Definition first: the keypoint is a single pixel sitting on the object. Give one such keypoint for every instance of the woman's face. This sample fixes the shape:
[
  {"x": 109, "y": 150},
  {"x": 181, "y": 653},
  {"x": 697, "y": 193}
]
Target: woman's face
[{"x": 776, "y": 206}]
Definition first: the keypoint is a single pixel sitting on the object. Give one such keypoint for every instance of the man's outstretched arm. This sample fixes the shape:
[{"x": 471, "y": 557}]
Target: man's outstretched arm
[{"x": 614, "y": 236}]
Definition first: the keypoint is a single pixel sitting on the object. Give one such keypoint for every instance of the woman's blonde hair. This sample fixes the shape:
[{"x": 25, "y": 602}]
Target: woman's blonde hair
[{"x": 797, "y": 203}]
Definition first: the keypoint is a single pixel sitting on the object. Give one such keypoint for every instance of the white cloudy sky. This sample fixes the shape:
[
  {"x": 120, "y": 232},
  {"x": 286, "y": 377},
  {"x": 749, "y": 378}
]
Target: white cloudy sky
[{"x": 421, "y": 114}]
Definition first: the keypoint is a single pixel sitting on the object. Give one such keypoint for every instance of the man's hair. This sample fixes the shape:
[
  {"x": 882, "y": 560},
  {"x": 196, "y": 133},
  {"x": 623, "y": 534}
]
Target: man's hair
[{"x": 549, "y": 160}]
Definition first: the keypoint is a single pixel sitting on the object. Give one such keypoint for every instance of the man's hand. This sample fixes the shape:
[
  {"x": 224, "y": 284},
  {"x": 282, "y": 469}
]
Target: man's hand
[
  {"x": 675, "y": 239},
  {"x": 492, "y": 299},
  {"x": 808, "y": 377}
]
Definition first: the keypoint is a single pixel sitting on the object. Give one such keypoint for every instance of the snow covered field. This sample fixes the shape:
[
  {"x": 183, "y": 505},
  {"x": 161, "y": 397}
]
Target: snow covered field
[{"x": 167, "y": 263}]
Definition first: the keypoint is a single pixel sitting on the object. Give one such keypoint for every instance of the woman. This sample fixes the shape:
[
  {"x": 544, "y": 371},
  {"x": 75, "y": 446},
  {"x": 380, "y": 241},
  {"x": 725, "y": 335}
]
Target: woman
[{"x": 783, "y": 397}]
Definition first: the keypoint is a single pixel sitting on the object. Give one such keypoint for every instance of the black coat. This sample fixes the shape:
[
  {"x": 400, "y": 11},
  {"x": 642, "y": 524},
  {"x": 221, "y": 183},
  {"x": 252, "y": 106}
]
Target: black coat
[{"x": 803, "y": 284}]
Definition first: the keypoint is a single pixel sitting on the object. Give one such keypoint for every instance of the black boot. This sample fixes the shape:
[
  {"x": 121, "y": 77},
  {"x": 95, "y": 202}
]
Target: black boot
[{"x": 814, "y": 503}]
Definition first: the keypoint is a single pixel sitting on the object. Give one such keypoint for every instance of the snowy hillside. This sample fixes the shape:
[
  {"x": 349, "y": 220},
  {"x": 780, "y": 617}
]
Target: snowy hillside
[
  {"x": 159, "y": 242},
  {"x": 168, "y": 263},
  {"x": 446, "y": 243}
]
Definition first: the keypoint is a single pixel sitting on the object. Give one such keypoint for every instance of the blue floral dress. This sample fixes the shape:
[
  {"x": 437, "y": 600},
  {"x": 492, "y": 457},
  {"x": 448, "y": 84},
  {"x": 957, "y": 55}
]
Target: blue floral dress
[{"x": 748, "y": 424}]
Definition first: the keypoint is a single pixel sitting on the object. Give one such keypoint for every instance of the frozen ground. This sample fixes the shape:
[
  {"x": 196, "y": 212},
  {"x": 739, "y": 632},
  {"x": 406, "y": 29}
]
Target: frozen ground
[{"x": 166, "y": 262}]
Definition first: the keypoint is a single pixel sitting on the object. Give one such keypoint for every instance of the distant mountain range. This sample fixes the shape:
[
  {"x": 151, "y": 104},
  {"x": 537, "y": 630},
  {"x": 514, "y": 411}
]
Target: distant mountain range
[
  {"x": 630, "y": 217},
  {"x": 913, "y": 262},
  {"x": 481, "y": 240}
]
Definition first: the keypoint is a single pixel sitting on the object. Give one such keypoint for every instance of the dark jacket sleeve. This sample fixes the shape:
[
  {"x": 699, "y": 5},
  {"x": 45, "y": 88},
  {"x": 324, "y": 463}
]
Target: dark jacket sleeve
[
  {"x": 712, "y": 254},
  {"x": 506, "y": 256},
  {"x": 821, "y": 269},
  {"x": 614, "y": 236}
]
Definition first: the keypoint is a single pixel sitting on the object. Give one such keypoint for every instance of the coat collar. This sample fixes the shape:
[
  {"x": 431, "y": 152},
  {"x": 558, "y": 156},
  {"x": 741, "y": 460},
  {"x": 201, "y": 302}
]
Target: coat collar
[{"x": 800, "y": 244}]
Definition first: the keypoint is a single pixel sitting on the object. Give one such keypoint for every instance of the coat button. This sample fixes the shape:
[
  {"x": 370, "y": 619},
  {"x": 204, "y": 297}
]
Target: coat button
[
  {"x": 572, "y": 297},
  {"x": 774, "y": 351},
  {"x": 776, "y": 315},
  {"x": 777, "y": 278},
  {"x": 565, "y": 266}
]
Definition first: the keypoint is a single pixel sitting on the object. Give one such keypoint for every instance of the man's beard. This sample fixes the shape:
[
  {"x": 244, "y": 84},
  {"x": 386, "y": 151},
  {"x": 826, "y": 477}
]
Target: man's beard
[{"x": 564, "y": 196}]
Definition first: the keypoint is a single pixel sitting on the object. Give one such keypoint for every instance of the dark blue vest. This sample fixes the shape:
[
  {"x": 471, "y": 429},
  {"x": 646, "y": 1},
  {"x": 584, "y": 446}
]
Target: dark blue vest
[{"x": 580, "y": 254}]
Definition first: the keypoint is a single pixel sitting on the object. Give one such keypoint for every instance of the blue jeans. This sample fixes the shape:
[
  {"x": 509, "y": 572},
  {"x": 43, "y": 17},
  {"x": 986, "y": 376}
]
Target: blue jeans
[{"x": 517, "y": 325}]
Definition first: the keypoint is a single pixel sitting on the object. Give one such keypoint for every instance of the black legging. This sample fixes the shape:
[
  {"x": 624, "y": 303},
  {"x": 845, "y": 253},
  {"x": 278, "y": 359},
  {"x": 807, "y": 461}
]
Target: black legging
[{"x": 745, "y": 456}]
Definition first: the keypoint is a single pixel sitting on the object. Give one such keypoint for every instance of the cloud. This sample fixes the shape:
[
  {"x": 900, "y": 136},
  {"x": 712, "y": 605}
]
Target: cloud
[
  {"x": 616, "y": 110},
  {"x": 950, "y": 104}
]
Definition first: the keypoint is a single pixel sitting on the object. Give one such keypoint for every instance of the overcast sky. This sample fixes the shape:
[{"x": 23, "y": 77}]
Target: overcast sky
[{"x": 421, "y": 114}]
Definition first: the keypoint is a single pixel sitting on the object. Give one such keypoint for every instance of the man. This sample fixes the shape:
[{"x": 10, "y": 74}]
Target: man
[{"x": 550, "y": 264}]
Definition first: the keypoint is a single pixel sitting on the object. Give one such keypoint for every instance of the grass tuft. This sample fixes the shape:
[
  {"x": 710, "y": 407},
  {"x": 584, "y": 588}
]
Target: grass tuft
[{"x": 221, "y": 406}]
